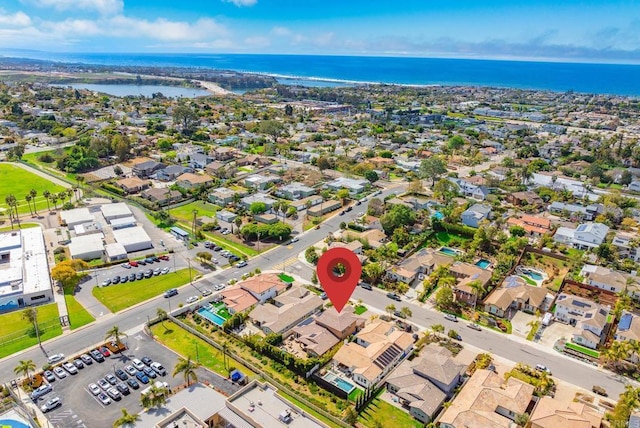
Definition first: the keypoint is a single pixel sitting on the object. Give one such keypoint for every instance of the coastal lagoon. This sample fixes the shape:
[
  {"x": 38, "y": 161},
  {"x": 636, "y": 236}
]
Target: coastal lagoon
[{"x": 119, "y": 90}]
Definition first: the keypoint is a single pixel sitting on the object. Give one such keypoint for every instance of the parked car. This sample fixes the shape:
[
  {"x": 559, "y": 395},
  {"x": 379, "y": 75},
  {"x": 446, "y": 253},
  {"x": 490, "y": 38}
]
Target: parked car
[
  {"x": 96, "y": 355},
  {"x": 171, "y": 292},
  {"x": 133, "y": 383},
  {"x": 599, "y": 390},
  {"x": 158, "y": 368},
  {"x": 123, "y": 389},
  {"x": 148, "y": 273},
  {"x": 104, "y": 351},
  {"x": 139, "y": 275},
  {"x": 70, "y": 368},
  {"x": 165, "y": 270},
  {"x": 55, "y": 358},
  {"x": 206, "y": 292},
  {"x": 111, "y": 379},
  {"x": 106, "y": 282},
  {"x": 365, "y": 286},
  {"x": 149, "y": 260},
  {"x": 394, "y": 296},
  {"x": 86, "y": 359},
  {"x": 114, "y": 394},
  {"x": 142, "y": 262},
  {"x": 149, "y": 372},
  {"x": 217, "y": 248},
  {"x": 102, "y": 383},
  {"x": 48, "y": 375},
  {"x": 130, "y": 370},
  {"x": 115, "y": 279},
  {"x": 126, "y": 266},
  {"x": 51, "y": 404},
  {"x": 121, "y": 375},
  {"x": 132, "y": 277},
  {"x": 133, "y": 264},
  {"x": 94, "y": 389},
  {"x": 147, "y": 361},
  {"x": 142, "y": 377},
  {"x": 474, "y": 326},
  {"x": 58, "y": 371},
  {"x": 399, "y": 314},
  {"x": 104, "y": 399},
  {"x": 192, "y": 299},
  {"x": 241, "y": 264},
  {"x": 542, "y": 368},
  {"x": 164, "y": 257},
  {"x": 323, "y": 296},
  {"x": 40, "y": 391},
  {"x": 139, "y": 365},
  {"x": 156, "y": 271},
  {"x": 124, "y": 279},
  {"x": 451, "y": 317},
  {"x": 78, "y": 363},
  {"x": 219, "y": 287},
  {"x": 294, "y": 240}
]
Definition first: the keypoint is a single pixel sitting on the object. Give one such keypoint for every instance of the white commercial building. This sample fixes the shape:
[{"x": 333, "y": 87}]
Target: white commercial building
[
  {"x": 114, "y": 252},
  {"x": 114, "y": 211},
  {"x": 24, "y": 270},
  {"x": 121, "y": 223},
  {"x": 87, "y": 247},
  {"x": 76, "y": 216},
  {"x": 133, "y": 239}
]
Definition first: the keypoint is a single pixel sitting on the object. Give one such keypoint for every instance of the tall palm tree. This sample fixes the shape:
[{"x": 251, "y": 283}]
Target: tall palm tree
[
  {"x": 156, "y": 397},
  {"x": 126, "y": 419},
  {"x": 187, "y": 368},
  {"x": 47, "y": 195},
  {"x": 54, "y": 199},
  {"x": 31, "y": 314},
  {"x": 162, "y": 314},
  {"x": 69, "y": 193},
  {"x": 115, "y": 333},
  {"x": 617, "y": 352},
  {"x": 34, "y": 193},
  {"x": 25, "y": 367},
  {"x": 28, "y": 199},
  {"x": 193, "y": 222},
  {"x": 406, "y": 311},
  {"x": 478, "y": 289}
]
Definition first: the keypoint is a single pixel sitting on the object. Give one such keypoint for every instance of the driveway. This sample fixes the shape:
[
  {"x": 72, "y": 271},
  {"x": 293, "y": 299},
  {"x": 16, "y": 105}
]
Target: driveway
[
  {"x": 519, "y": 323},
  {"x": 554, "y": 332}
]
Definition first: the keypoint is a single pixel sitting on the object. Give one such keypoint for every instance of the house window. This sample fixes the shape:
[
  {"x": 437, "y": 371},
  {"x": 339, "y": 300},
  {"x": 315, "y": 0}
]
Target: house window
[{"x": 39, "y": 297}]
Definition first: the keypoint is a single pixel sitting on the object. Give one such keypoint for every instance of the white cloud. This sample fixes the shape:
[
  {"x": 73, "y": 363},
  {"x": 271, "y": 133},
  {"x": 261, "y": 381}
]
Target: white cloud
[
  {"x": 242, "y": 3},
  {"x": 104, "y": 7},
  {"x": 18, "y": 19},
  {"x": 281, "y": 31}
]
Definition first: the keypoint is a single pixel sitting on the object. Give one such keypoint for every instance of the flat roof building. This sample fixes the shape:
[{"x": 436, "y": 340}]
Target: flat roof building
[
  {"x": 114, "y": 252},
  {"x": 24, "y": 270},
  {"x": 114, "y": 211},
  {"x": 87, "y": 247},
  {"x": 76, "y": 216},
  {"x": 132, "y": 239},
  {"x": 124, "y": 222}
]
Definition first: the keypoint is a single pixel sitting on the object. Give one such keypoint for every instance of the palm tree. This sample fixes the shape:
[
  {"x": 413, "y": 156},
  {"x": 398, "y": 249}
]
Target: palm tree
[
  {"x": 238, "y": 223},
  {"x": 54, "y": 199},
  {"x": 115, "y": 333},
  {"x": 617, "y": 352},
  {"x": 69, "y": 194},
  {"x": 406, "y": 312},
  {"x": 225, "y": 347},
  {"x": 24, "y": 367},
  {"x": 193, "y": 222},
  {"x": 31, "y": 314},
  {"x": 47, "y": 195},
  {"x": 33, "y": 194},
  {"x": 126, "y": 419},
  {"x": 28, "y": 199},
  {"x": 156, "y": 397},
  {"x": 390, "y": 308},
  {"x": 162, "y": 314},
  {"x": 478, "y": 289},
  {"x": 187, "y": 368}
]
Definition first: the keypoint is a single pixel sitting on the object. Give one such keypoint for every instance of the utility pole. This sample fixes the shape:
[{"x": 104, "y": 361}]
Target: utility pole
[{"x": 190, "y": 279}]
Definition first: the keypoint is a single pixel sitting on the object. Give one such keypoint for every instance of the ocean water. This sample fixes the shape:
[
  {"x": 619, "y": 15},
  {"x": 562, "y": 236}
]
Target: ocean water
[{"x": 317, "y": 70}]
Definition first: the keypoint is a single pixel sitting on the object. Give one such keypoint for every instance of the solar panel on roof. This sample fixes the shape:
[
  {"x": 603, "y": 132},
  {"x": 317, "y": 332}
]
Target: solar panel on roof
[
  {"x": 580, "y": 304},
  {"x": 625, "y": 322}
]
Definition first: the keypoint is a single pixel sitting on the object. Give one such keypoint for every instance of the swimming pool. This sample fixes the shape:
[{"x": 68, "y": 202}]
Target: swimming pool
[
  {"x": 533, "y": 274},
  {"x": 211, "y": 316},
  {"x": 11, "y": 423},
  {"x": 483, "y": 263},
  {"x": 438, "y": 215},
  {"x": 448, "y": 251},
  {"x": 339, "y": 382}
]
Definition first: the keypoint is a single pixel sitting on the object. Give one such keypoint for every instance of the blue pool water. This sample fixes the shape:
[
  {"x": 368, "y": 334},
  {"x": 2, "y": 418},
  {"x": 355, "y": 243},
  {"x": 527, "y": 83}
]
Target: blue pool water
[
  {"x": 438, "y": 215},
  {"x": 213, "y": 317},
  {"x": 448, "y": 251},
  {"x": 12, "y": 423},
  {"x": 344, "y": 385},
  {"x": 483, "y": 264},
  {"x": 533, "y": 275}
]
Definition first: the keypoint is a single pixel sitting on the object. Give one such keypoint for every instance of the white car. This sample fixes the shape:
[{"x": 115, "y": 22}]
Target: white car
[
  {"x": 164, "y": 270},
  {"x": 70, "y": 368},
  {"x": 94, "y": 389},
  {"x": 192, "y": 299},
  {"x": 131, "y": 370},
  {"x": 294, "y": 240},
  {"x": 219, "y": 287},
  {"x": 137, "y": 364},
  {"x": 55, "y": 358},
  {"x": 59, "y": 372},
  {"x": 51, "y": 404}
]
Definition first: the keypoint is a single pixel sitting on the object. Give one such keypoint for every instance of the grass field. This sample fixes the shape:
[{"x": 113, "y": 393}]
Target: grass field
[
  {"x": 20, "y": 182},
  {"x": 446, "y": 237},
  {"x": 189, "y": 345},
  {"x": 22, "y": 226},
  {"x": 185, "y": 212},
  {"x": 582, "y": 349},
  {"x": 121, "y": 296},
  {"x": 16, "y": 333},
  {"x": 387, "y": 415},
  {"x": 360, "y": 309},
  {"x": 234, "y": 247},
  {"x": 78, "y": 315}
]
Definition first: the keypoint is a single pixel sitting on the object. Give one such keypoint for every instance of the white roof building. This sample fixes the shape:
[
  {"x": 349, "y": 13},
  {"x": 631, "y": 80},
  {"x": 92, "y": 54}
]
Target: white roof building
[
  {"x": 115, "y": 251},
  {"x": 87, "y": 247},
  {"x": 133, "y": 238},
  {"x": 24, "y": 270},
  {"x": 121, "y": 223},
  {"x": 114, "y": 211},
  {"x": 76, "y": 216}
]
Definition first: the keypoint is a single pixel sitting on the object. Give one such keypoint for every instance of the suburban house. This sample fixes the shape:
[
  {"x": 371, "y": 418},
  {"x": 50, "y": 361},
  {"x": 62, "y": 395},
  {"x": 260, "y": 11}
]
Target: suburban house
[
  {"x": 185, "y": 151},
  {"x": 487, "y": 400},
  {"x": 258, "y": 197},
  {"x": 466, "y": 274},
  {"x": 132, "y": 184},
  {"x": 295, "y": 190},
  {"x": 575, "y": 211},
  {"x": 377, "y": 349},
  {"x": 610, "y": 279},
  {"x": 255, "y": 160},
  {"x": 199, "y": 160},
  {"x": 586, "y": 236},
  {"x": 224, "y": 153},
  {"x": 423, "y": 384},
  {"x": 216, "y": 168},
  {"x": 323, "y": 208},
  {"x": 263, "y": 287},
  {"x": 551, "y": 413},
  {"x": 418, "y": 265},
  {"x": 475, "y": 214},
  {"x": 533, "y": 225},
  {"x": 224, "y": 215},
  {"x": 590, "y": 319},
  {"x": 191, "y": 181},
  {"x": 261, "y": 182},
  {"x": 171, "y": 172},
  {"x": 517, "y": 297},
  {"x": 327, "y": 329},
  {"x": 627, "y": 245},
  {"x": 223, "y": 196},
  {"x": 286, "y": 311},
  {"x": 311, "y": 201},
  {"x": 354, "y": 186},
  {"x": 146, "y": 168},
  {"x": 470, "y": 190},
  {"x": 521, "y": 199},
  {"x": 162, "y": 197},
  {"x": 628, "y": 327}
]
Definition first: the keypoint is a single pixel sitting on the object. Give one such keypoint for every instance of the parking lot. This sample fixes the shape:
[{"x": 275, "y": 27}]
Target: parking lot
[{"x": 80, "y": 408}]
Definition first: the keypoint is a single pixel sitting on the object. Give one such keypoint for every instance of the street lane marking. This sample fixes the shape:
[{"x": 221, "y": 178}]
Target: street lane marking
[{"x": 288, "y": 262}]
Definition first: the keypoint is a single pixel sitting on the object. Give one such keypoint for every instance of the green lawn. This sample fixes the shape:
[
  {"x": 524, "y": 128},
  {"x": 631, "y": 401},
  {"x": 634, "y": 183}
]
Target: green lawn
[
  {"x": 22, "y": 226},
  {"x": 21, "y": 182},
  {"x": 78, "y": 315},
  {"x": 286, "y": 278},
  {"x": 234, "y": 247},
  {"x": 582, "y": 349},
  {"x": 185, "y": 212},
  {"x": 446, "y": 237},
  {"x": 387, "y": 415},
  {"x": 186, "y": 344},
  {"x": 360, "y": 309},
  {"x": 528, "y": 280},
  {"x": 17, "y": 334},
  {"x": 221, "y": 309},
  {"x": 121, "y": 296}
]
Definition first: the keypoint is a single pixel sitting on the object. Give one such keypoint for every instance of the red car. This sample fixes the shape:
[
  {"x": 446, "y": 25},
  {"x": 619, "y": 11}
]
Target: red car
[
  {"x": 104, "y": 351},
  {"x": 133, "y": 264},
  {"x": 165, "y": 257}
]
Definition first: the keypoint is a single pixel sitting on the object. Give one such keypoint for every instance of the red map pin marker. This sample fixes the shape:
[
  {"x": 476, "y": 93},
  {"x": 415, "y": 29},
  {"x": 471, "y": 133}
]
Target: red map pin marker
[{"x": 339, "y": 288}]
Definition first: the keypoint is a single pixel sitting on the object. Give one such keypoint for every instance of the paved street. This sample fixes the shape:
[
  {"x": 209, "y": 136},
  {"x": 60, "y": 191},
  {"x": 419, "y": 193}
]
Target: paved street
[{"x": 505, "y": 346}]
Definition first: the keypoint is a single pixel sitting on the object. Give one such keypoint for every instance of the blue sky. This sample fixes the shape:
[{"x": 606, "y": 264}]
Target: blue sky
[{"x": 564, "y": 30}]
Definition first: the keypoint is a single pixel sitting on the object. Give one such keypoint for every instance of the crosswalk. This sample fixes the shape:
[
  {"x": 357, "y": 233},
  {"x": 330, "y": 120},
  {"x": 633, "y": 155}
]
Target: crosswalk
[
  {"x": 290, "y": 261},
  {"x": 65, "y": 418}
]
